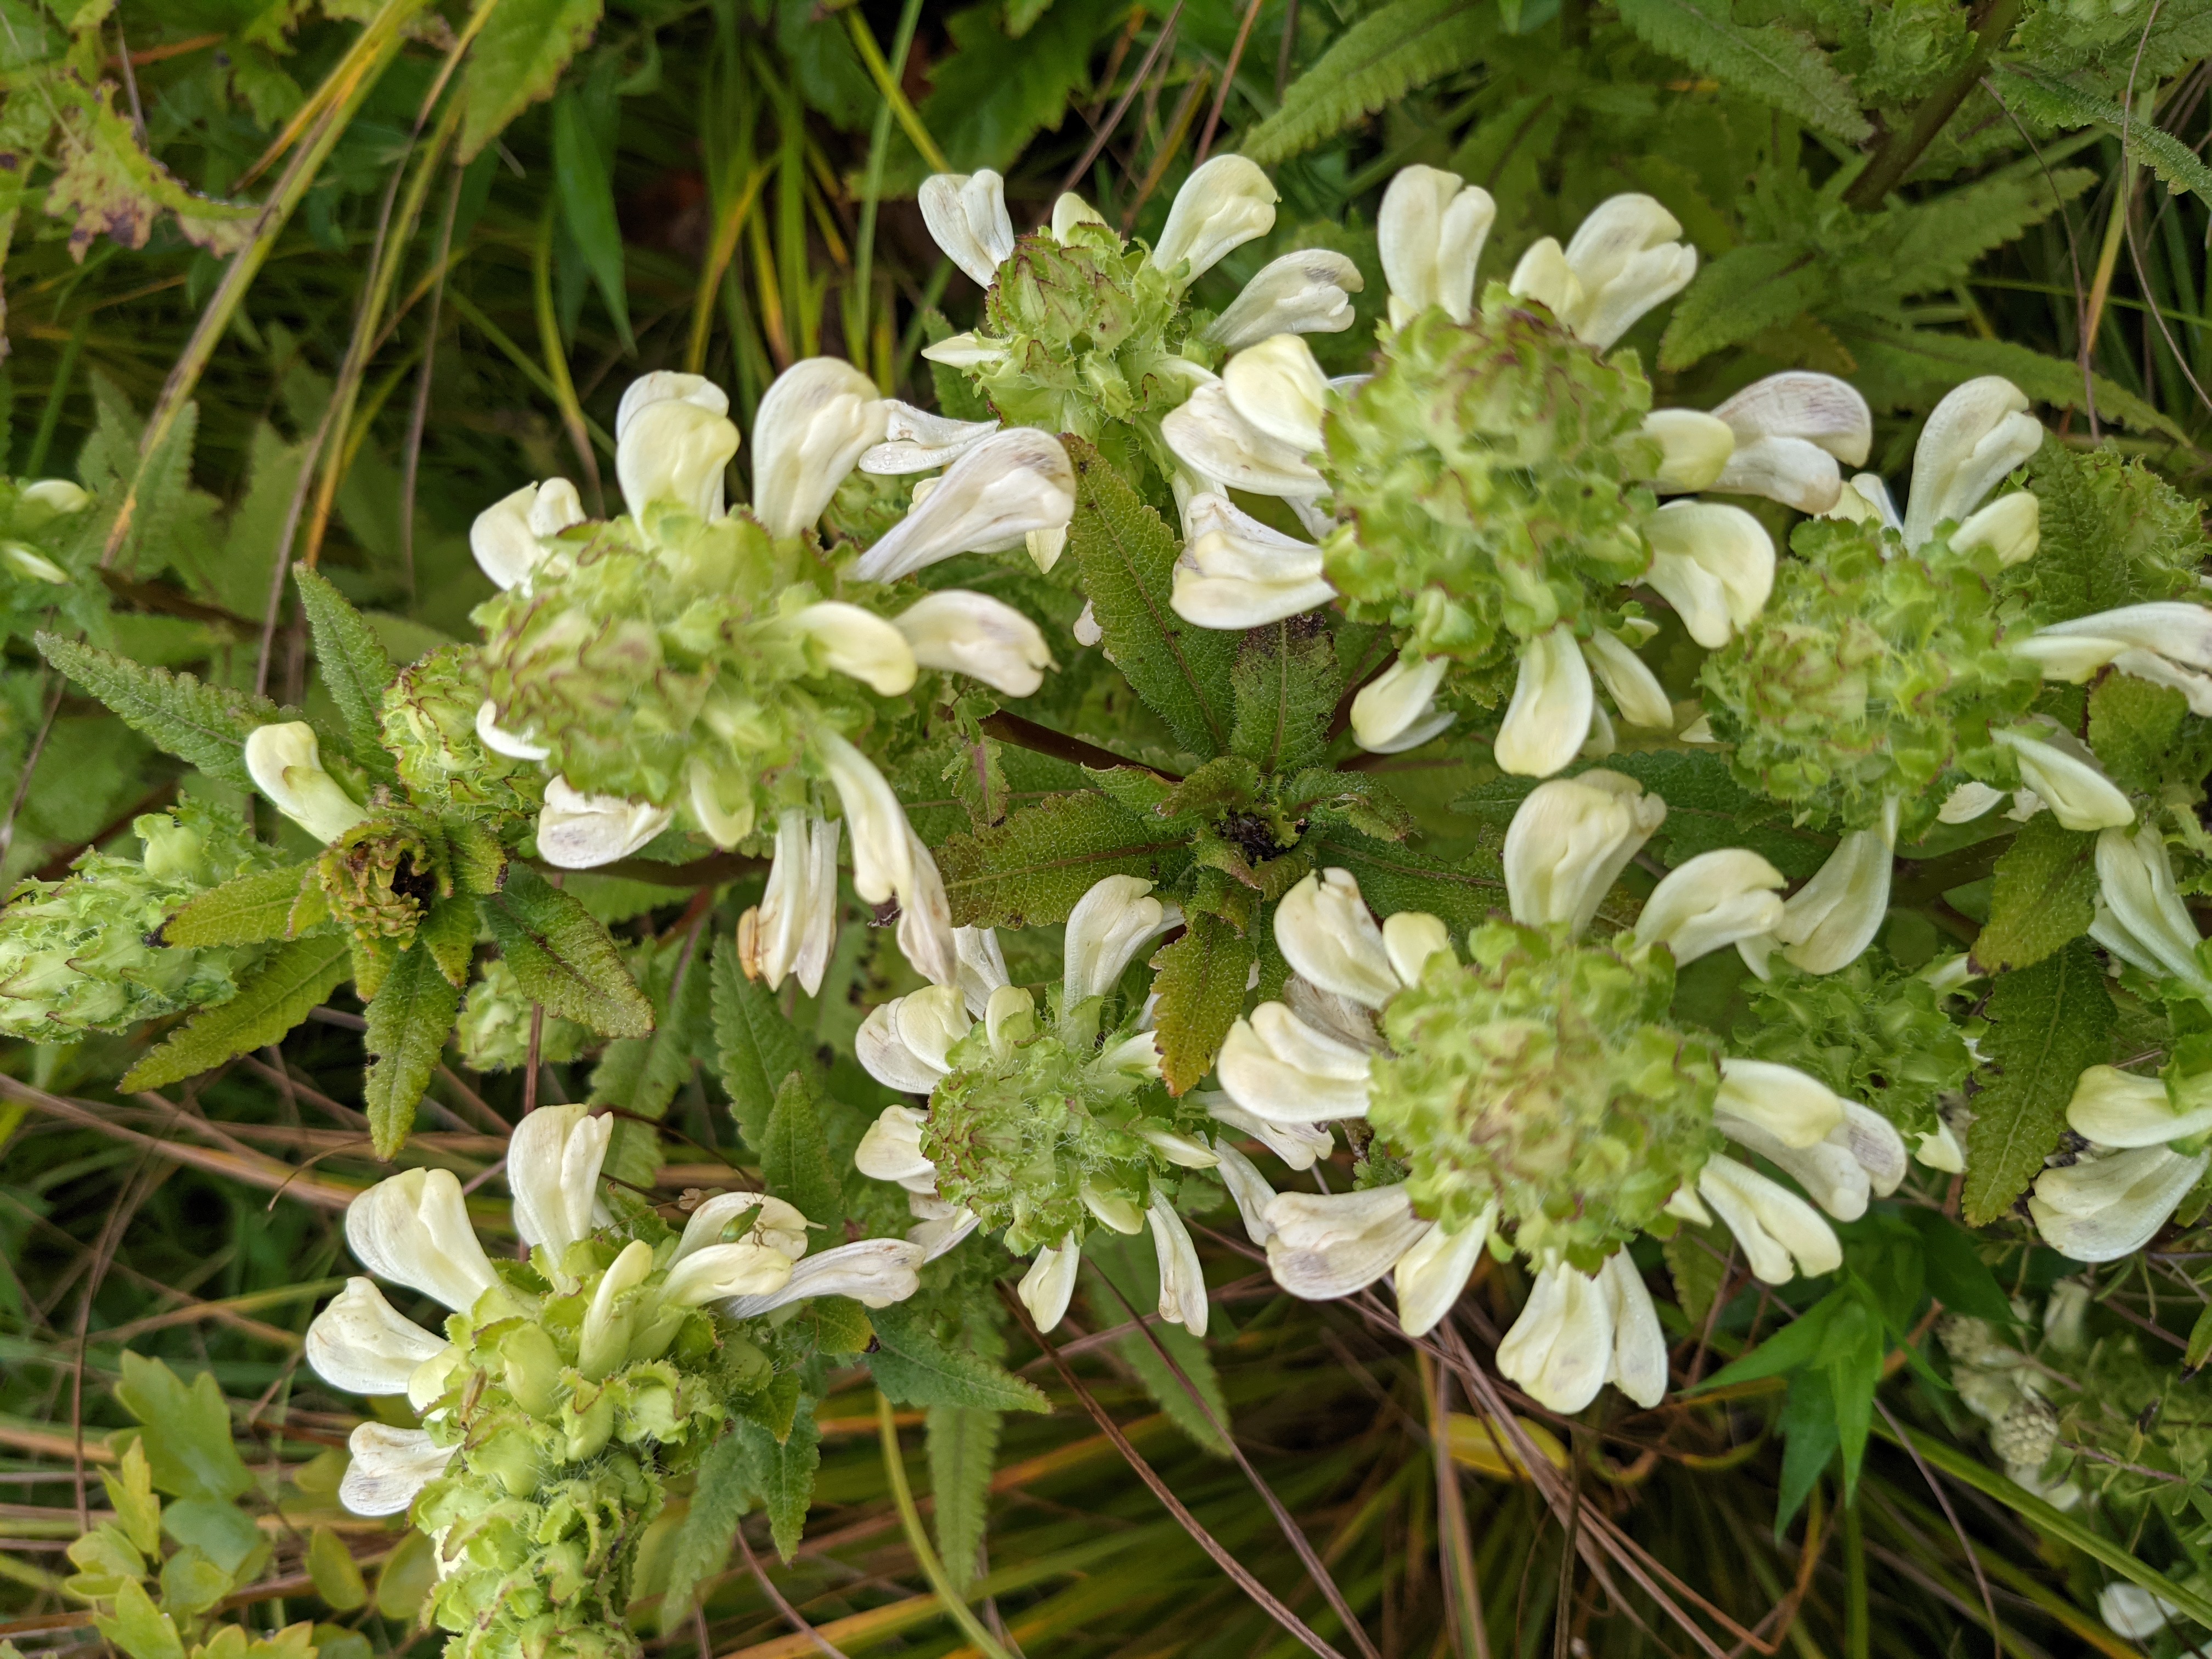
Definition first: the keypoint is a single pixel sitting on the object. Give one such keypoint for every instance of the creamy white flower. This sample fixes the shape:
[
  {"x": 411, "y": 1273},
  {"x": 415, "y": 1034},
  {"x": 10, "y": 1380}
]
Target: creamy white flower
[
  {"x": 1085, "y": 626},
  {"x": 1560, "y": 1349},
  {"x": 1249, "y": 1188},
  {"x": 1431, "y": 232},
  {"x": 1237, "y": 573},
  {"x": 1224, "y": 203},
  {"x": 1861, "y": 1159},
  {"x": 1976, "y": 435},
  {"x": 967, "y": 217},
  {"x": 1429, "y": 1278},
  {"x": 1110, "y": 924},
  {"x": 1328, "y": 937},
  {"x": 674, "y": 451},
  {"x": 916, "y": 440},
  {"x": 982, "y": 966},
  {"x": 888, "y": 861},
  {"x": 2109, "y": 1205},
  {"x": 667, "y": 385},
  {"x": 715, "y": 1271},
  {"x": 59, "y": 497},
  {"x": 1694, "y": 448},
  {"x": 884, "y": 1056},
  {"x": 1781, "y": 1102},
  {"x": 1049, "y": 1284},
  {"x": 413, "y": 1229},
  {"x": 1069, "y": 210},
  {"x": 1622, "y": 260},
  {"x": 814, "y": 423},
  {"x": 390, "y": 1468},
  {"x": 1568, "y": 842},
  {"x": 2131, "y": 1611},
  {"x": 553, "y": 1160},
  {"x": 576, "y": 831},
  {"x": 506, "y": 537},
  {"x": 1634, "y": 689},
  {"x": 1186, "y": 1151},
  {"x": 2060, "y": 769},
  {"x": 361, "y": 1344},
  {"x": 28, "y": 562},
  {"x": 2168, "y": 643},
  {"x": 794, "y": 926},
  {"x": 1410, "y": 939},
  {"x": 1393, "y": 711},
  {"x": 1939, "y": 1149},
  {"x": 874, "y": 1271},
  {"x": 1713, "y": 563},
  {"x": 1299, "y": 1145},
  {"x": 891, "y": 1149},
  {"x": 1551, "y": 707},
  {"x": 1969, "y": 801},
  {"x": 1210, "y": 437},
  {"x": 775, "y": 1225},
  {"x": 975, "y": 634},
  {"x": 1111, "y": 1209},
  {"x": 1781, "y": 1234},
  {"x": 1301, "y": 293},
  {"x": 1638, "y": 1365},
  {"x": 988, "y": 501},
  {"x": 1278, "y": 1068},
  {"x": 502, "y": 742},
  {"x": 286, "y": 764},
  {"x": 1278, "y": 389},
  {"x": 1182, "y": 1280},
  {"x": 2010, "y": 526},
  {"x": 1330, "y": 1244},
  {"x": 2141, "y": 918},
  {"x": 1711, "y": 901},
  {"x": 2114, "y": 1108},
  {"x": 1791, "y": 430},
  {"x": 850, "y": 641},
  {"x": 1828, "y": 921}
]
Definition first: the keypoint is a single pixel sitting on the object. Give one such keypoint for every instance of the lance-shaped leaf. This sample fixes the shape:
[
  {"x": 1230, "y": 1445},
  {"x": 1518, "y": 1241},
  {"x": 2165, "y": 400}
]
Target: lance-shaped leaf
[
  {"x": 1031, "y": 869},
  {"x": 408, "y": 1020},
  {"x": 296, "y": 980},
  {"x": 562, "y": 958},
  {"x": 1371, "y": 66},
  {"x": 756, "y": 1047},
  {"x": 251, "y": 909},
  {"x": 2047, "y": 1024},
  {"x": 205, "y": 725},
  {"x": 1201, "y": 986},
  {"x": 963, "y": 1449},
  {"x": 2044, "y": 892},
  {"x": 795, "y": 1162},
  {"x": 353, "y": 667},
  {"x": 915, "y": 1368},
  {"x": 1777, "y": 65}
]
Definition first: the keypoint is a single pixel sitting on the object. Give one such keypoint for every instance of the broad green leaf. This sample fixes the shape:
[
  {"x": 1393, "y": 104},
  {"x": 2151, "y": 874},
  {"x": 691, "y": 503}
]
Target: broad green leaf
[
  {"x": 205, "y": 725},
  {"x": 1957, "y": 1276},
  {"x": 219, "y": 1529},
  {"x": 408, "y": 1020},
  {"x": 757, "y": 1047},
  {"x": 2113, "y": 533},
  {"x": 139, "y": 1628},
  {"x": 1201, "y": 985},
  {"x": 1778, "y": 66},
  {"x": 2044, "y": 893},
  {"x": 795, "y": 1162},
  {"x": 562, "y": 958},
  {"x": 1371, "y": 66},
  {"x": 1286, "y": 684},
  {"x": 1796, "y": 1344},
  {"x": 722, "y": 1494},
  {"x": 409, "y": 1573},
  {"x": 191, "y": 1583},
  {"x": 336, "y": 1576},
  {"x": 993, "y": 95},
  {"x": 185, "y": 1431},
  {"x": 588, "y": 206},
  {"x": 781, "y": 1473},
  {"x": 963, "y": 1448},
  {"x": 1810, "y": 1439},
  {"x": 914, "y": 1367},
  {"x": 352, "y": 665},
  {"x": 1393, "y": 878},
  {"x": 841, "y": 1324},
  {"x": 250, "y": 909},
  {"x": 2047, "y": 1024},
  {"x": 1126, "y": 554},
  {"x": 2134, "y": 731},
  {"x": 105, "y": 1559},
  {"x": 295, "y": 979},
  {"x": 517, "y": 59},
  {"x": 1029, "y": 870}
]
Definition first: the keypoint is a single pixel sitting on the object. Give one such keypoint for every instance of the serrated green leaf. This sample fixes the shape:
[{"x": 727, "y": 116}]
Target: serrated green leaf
[
  {"x": 963, "y": 1449},
  {"x": 185, "y": 1431},
  {"x": 1201, "y": 987},
  {"x": 191, "y": 1583},
  {"x": 795, "y": 1161},
  {"x": 2113, "y": 533},
  {"x": 756, "y": 1047},
  {"x": 1778, "y": 66},
  {"x": 1372, "y": 65},
  {"x": 841, "y": 1324},
  {"x": 2043, "y": 97},
  {"x": 781, "y": 1473},
  {"x": 562, "y": 958},
  {"x": 1696, "y": 1263},
  {"x": 1902, "y": 352},
  {"x": 516, "y": 60},
  {"x": 2134, "y": 731},
  {"x": 1393, "y": 878},
  {"x": 2048, "y": 1024},
  {"x": 1286, "y": 684},
  {"x": 1132, "y": 1267},
  {"x": 408, "y": 1020},
  {"x": 294, "y": 981},
  {"x": 1031, "y": 869},
  {"x": 249, "y": 909},
  {"x": 914, "y": 1367},
  {"x": 352, "y": 662},
  {"x": 205, "y": 725},
  {"x": 1126, "y": 554},
  {"x": 2043, "y": 893},
  {"x": 1743, "y": 293},
  {"x": 448, "y": 932}
]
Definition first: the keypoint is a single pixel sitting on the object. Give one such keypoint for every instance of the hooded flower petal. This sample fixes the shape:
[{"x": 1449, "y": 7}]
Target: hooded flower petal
[
  {"x": 2104, "y": 1206},
  {"x": 2168, "y": 643},
  {"x": 973, "y": 633},
  {"x": 1182, "y": 1280},
  {"x": 363, "y": 1345},
  {"x": 1711, "y": 901},
  {"x": 1568, "y": 840},
  {"x": 286, "y": 764},
  {"x": 500, "y": 742},
  {"x": 1714, "y": 564},
  {"x": 794, "y": 926},
  {"x": 413, "y": 1229},
  {"x": 1828, "y": 921},
  {"x": 874, "y": 1271},
  {"x": 1560, "y": 1349},
  {"x": 775, "y": 1225},
  {"x": 967, "y": 217},
  {"x": 1397, "y": 703},
  {"x": 1796, "y": 1109},
  {"x": 715, "y": 1271},
  {"x": 1791, "y": 429},
  {"x": 2154, "y": 927},
  {"x": 1781, "y": 1234},
  {"x": 675, "y": 452},
  {"x": 1208, "y": 435},
  {"x": 1330, "y": 1244},
  {"x": 1249, "y": 1188},
  {"x": 1430, "y": 1277},
  {"x": 1299, "y": 1145},
  {"x": 1279, "y": 1068},
  {"x": 553, "y": 1161},
  {"x": 1224, "y": 203},
  {"x": 1328, "y": 937},
  {"x": 504, "y": 541},
  {"x": 916, "y": 440},
  {"x": 1552, "y": 708},
  {"x": 1694, "y": 448},
  {"x": 1978, "y": 434},
  {"x": 1237, "y": 573},
  {"x": 886, "y": 1057},
  {"x": 1047, "y": 1288},
  {"x": 1623, "y": 260},
  {"x": 2114, "y": 1108},
  {"x": 1108, "y": 926},
  {"x": 2060, "y": 769},
  {"x": 850, "y": 641},
  {"x": 982, "y": 966},
  {"x": 2010, "y": 526},
  {"x": 390, "y": 1468},
  {"x": 1431, "y": 232},
  {"x": 989, "y": 500},
  {"x": 891, "y": 1149},
  {"x": 1301, "y": 293},
  {"x": 1862, "y": 1158},
  {"x": 1639, "y": 1346},
  {"x": 1278, "y": 389},
  {"x": 576, "y": 831},
  {"x": 814, "y": 423}
]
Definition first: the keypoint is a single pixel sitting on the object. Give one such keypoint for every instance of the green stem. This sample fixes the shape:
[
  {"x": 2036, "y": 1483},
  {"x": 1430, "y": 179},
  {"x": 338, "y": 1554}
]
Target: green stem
[
  {"x": 50, "y": 417},
  {"x": 918, "y": 1538},
  {"x": 887, "y": 83},
  {"x": 1902, "y": 148}
]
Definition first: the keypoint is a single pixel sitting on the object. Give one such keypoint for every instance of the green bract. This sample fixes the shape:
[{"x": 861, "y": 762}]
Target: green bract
[
  {"x": 493, "y": 1031},
  {"x": 74, "y": 954},
  {"x": 1487, "y": 481},
  {"x": 1873, "y": 674},
  {"x": 1540, "y": 1076},
  {"x": 429, "y": 726}
]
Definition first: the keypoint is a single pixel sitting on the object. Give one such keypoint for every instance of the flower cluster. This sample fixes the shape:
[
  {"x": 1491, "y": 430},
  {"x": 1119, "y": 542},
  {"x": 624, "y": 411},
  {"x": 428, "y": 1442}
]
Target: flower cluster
[{"x": 564, "y": 1391}]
